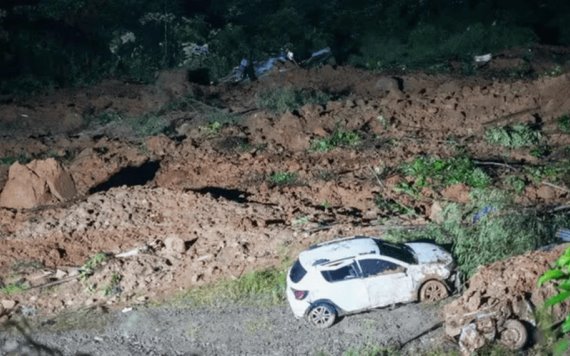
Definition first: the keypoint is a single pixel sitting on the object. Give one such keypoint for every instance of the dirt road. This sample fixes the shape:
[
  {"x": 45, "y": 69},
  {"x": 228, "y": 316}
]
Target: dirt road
[{"x": 224, "y": 331}]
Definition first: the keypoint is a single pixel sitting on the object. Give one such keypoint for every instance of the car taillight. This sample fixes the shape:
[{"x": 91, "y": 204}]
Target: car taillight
[{"x": 299, "y": 294}]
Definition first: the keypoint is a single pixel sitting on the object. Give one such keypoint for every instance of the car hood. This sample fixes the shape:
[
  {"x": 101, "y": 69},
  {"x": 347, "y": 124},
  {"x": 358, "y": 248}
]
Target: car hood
[{"x": 430, "y": 253}]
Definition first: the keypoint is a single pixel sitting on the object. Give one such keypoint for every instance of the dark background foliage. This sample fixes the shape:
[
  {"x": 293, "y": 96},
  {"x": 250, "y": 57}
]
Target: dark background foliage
[{"x": 56, "y": 43}]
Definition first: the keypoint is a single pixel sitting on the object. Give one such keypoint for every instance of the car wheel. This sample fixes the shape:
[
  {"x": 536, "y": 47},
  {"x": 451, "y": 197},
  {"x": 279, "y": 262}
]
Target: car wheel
[
  {"x": 322, "y": 316},
  {"x": 433, "y": 291},
  {"x": 514, "y": 336}
]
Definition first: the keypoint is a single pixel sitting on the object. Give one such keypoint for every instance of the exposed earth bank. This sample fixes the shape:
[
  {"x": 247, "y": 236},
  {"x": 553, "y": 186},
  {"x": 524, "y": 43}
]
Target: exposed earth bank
[{"x": 211, "y": 199}]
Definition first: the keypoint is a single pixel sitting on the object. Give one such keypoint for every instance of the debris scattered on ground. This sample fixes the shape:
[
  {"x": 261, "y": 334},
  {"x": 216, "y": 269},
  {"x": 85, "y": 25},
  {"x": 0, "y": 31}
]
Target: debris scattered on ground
[{"x": 499, "y": 297}]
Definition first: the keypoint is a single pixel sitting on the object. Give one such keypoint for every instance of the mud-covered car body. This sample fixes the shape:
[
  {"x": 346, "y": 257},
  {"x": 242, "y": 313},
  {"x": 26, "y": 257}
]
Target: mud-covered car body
[{"x": 359, "y": 273}]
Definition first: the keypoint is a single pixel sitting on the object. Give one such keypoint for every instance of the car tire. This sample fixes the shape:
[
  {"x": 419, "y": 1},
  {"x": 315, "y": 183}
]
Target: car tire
[
  {"x": 433, "y": 291},
  {"x": 322, "y": 315},
  {"x": 514, "y": 335}
]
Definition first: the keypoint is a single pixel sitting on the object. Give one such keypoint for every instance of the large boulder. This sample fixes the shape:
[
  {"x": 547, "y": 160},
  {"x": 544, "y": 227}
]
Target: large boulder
[{"x": 37, "y": 183}]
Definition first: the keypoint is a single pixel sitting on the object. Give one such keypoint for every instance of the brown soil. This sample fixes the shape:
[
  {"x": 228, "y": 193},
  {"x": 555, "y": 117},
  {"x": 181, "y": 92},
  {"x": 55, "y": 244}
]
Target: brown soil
[
  {"x": 209, "y": 192},
  {"x": 501, "y": 291}
]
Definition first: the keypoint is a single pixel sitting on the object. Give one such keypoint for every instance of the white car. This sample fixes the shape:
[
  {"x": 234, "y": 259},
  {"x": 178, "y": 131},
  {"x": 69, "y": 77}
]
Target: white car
[{"x": 358, "y": 273}]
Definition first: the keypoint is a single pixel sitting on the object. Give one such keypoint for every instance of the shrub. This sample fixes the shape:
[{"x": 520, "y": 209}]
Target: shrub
[
  {"x": 564, "y": 123},
  {"x": 491, "y": 227},
  {"x": 283, "y": 178},
  {"x": 339, "y": 138},
  {"x": 515, "y": 136},
  {"x": 446, "y": 172}
]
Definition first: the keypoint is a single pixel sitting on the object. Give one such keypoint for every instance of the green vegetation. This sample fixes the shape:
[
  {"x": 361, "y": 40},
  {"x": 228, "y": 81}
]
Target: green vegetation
[
  {"x": 147, "y": 125},
  {"x": 561, "y": 274},
  {"x": 113, "y": 287},
  {"x": 13, "y": 288},
  {"x": 339, "y": 138},
  {"x": 92, "y": 264},
  {"x": 283, "y": 178},
  {"x": 564, "y": 123},
  {"x": 281, "y": 100},
  {"x": 514, "y": 136},
  {"x": 210, "y": 38},
  {"x": 489, "y": 228},
  {"x": 392, "y": 207},
  {"x": 516, "y": 183},
  {"x": 371, "y": 350},
  {"x": 260, "y": 288},
  {"x": 431, "y": 170}
]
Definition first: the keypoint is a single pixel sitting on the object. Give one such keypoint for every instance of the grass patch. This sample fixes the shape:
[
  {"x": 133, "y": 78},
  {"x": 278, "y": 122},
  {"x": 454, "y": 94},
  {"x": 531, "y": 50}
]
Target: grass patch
[
  {"x": 371, "y": 350},
  {"x": 147, "y": 125},
  {"x": 339, "y": 138},
  {"x": 92, "y": 264},
  {"x": 263, "y": 288},
  {"x": 112, "y": 287},
  {"x": 446, "y": 172},
  {"x": 281, "y": 100},
  {"x": 564, "y": 123},
  {"x": 283, "y": 178},
  {"x": 13, "y": 288},
  {"x": 490, "y": 228},
  {"x": 514, "y": 136}
]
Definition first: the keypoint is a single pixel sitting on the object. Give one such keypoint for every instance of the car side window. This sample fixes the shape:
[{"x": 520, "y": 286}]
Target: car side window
[
  {"x": 341, "y": 274},
  {"x": 373, "y": 267}
]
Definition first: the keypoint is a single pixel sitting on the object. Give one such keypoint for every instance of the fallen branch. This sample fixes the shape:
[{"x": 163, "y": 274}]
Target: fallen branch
[
  {"x": 564, "y": 189},
  {"x": 511, "y": 117},
  {"x": 498, "y": 164}
]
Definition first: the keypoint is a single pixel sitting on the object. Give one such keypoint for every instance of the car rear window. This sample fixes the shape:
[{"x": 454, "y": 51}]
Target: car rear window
[{"x": 297, "y": 272}]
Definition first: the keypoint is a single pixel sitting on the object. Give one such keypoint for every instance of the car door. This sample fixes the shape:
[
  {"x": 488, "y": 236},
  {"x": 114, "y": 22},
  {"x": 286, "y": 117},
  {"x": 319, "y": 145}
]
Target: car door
[
  {"x": 387, "y": 281},
  {"x": 344, "y": 286}
]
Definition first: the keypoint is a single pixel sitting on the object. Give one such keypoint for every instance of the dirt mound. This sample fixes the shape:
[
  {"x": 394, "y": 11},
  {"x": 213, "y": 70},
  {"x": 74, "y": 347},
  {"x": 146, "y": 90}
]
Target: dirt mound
[
  {"x": 502, "y": 291},
  {"x": 37, "y": 183}
]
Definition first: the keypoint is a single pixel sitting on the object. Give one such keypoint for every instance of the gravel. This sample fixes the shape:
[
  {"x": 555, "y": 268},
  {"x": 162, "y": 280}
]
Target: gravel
[{"x": 227, "y": 330}]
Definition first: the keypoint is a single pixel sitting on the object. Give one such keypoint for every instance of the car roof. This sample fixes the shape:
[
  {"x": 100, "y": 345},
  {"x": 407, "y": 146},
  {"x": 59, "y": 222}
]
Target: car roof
[{"x": 337, "y": 250}]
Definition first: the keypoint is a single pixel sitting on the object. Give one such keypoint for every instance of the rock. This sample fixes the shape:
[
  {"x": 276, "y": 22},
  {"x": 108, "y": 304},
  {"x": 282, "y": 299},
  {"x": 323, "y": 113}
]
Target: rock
[
  {"x": 457, "y": 193},
  {"x": 546, "y": 193},
  {"x": 58, "y": 180},
  {"x": 37, "y": 183},
  {"x": 8, "y": 304},
  {"x": 388, "y": 84},
  {"x": 24, "y": 189},
  {"x": 435, "y": 214},
  {"x": 174, "y": 245}
]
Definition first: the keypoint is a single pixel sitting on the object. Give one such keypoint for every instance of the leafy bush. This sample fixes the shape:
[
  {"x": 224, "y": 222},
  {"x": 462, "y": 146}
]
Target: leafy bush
[
  {"x": 515, "y": 136},
  {"x": 561, "y": 274},
  {"x": 339, "y": 138},
  {"x": 265, "y": 287},
  {"x": 281, "y": 100},
  {"x": 491, "y": 227},
  {"x": 283, "y": 178},
  {"x": 446, "y": 172},
  {"x": 564, "y": 123}
]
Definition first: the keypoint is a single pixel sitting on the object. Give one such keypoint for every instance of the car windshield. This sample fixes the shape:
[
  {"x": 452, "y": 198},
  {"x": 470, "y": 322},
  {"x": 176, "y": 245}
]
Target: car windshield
[{"x": 399, "y": 252}]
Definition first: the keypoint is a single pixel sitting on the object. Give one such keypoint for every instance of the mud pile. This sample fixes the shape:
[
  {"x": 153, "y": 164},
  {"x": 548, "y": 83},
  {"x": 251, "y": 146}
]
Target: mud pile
[{"x": 499, "y": 292}]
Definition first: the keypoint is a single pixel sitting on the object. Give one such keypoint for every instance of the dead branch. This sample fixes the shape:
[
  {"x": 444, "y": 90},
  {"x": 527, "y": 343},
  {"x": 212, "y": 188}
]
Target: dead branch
[{"x": 516, "y": 116}]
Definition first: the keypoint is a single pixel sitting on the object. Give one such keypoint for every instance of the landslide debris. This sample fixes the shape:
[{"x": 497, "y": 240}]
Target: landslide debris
[
  {"x": 37, "y": 183},
  {"x": 502, "y": 291}
]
